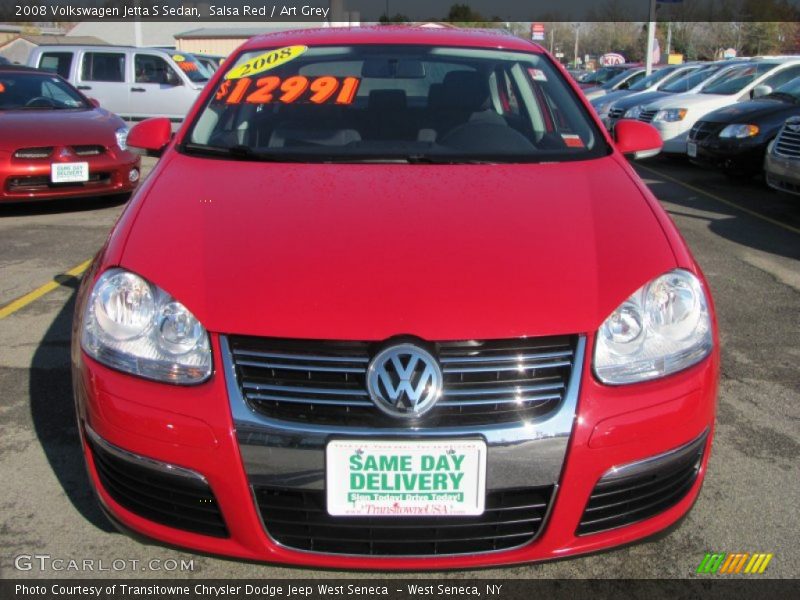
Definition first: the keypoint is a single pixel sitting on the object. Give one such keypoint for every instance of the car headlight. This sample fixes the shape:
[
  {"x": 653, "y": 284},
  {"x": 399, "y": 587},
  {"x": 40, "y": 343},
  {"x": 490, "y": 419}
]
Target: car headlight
[
  {"x": 633, "y": 113},
  {"x": 131, "y": 325},
  {"x": 670, "y": 115},
  {"x": 664, "y": 327},
  {"x": 739, "y": 131},
  {"x": 122, "y": 137}
]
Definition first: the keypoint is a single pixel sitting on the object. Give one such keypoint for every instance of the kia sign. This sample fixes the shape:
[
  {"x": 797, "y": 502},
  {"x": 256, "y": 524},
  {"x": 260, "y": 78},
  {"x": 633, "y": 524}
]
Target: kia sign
[{"x": 611, "y": 58}]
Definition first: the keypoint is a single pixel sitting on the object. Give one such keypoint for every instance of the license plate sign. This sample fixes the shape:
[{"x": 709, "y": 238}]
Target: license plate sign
[
  {"x": 418, "y": 478},
  {"x": 691, "y": 149},
  {"x": 69, "y": 172}
]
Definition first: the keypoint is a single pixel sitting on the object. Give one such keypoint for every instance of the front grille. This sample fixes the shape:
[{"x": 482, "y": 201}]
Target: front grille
[
  {"x": 659, "y": 484},
  {"x": 324, "y": 382},
  {"x": 704, "y": 129},
  {"x": 37, "y": 183},
  {"x": 788, "y": 143},
  {"x": 616, "y": 113},
  {"x": 38, "y": 152},
  {"x": 298, "y": 519},
  {"x": 171, "y": 500},
  {"x": 647, "y": 115},
  {"x": 91, "y": 150}
]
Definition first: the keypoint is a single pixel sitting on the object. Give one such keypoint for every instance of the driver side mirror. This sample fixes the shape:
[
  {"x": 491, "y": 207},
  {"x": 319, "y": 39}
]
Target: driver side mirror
[
  {"x": 151, "y": 136},
  {"x": 642, "y": 140},
  {"x": 761, "y": 90}
]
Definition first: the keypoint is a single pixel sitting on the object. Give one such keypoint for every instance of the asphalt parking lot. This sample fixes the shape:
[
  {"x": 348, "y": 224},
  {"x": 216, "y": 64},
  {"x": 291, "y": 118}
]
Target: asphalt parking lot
[{"x": 746, "y": 238}]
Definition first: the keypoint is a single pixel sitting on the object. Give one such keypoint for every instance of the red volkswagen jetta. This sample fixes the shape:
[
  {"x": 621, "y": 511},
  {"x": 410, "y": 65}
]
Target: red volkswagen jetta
[
  {"x": 56, "y": 143},
  {"x": 393, "y": 299}
]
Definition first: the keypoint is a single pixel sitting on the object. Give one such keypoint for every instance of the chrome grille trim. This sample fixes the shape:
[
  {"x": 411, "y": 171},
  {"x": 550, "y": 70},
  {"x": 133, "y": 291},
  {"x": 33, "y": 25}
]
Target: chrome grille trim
[
  {"x": 292, "y": 454},
  {"x": 616, "y": 113},
  {"x": 787, "y": 143},
  {"x": 485, "y": 381},
  {"x": 37, "y": 152},
  {"x": 647, "y": 115}
]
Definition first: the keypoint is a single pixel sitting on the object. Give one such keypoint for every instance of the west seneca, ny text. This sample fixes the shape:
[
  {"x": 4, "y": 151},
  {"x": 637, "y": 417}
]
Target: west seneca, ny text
[
  {"x": 134, "y": 10},
  {"x": 265, "y": 590}
]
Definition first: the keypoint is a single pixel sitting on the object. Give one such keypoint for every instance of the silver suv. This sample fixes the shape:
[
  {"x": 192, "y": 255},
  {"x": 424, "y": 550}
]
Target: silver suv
[{"x": 135, "y": 83}]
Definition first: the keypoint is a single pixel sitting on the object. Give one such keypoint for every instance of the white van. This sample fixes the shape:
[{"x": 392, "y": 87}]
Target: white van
[{"x": 135, "y": 83}]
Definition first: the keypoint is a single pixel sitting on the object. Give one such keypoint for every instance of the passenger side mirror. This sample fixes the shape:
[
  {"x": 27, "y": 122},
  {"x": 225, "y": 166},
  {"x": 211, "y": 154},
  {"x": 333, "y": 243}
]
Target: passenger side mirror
[
  {"x": 94, "y": 102},
  {"x": 637, "y": 138},
  {"x": 760, "y": 90},
  {"x": 151, "y": 135}
]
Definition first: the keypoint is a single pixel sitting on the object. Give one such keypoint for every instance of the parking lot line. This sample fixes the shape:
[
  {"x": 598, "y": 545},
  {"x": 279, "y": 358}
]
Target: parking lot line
[
  {"x": 720, "y": 199},
  {"x": 48, "y": 287}
]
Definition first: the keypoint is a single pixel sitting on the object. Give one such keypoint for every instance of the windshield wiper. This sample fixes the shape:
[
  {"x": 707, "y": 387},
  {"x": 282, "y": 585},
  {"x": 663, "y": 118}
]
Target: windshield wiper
[{"x": 238, "y": 152}]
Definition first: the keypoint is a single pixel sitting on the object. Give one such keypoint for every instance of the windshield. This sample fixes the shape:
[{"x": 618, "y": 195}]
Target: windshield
[
  {"x": 194, "y": 69},
  {"x": 407, "y": 103},
  {"x": 685, "y": 82},
  {"x": 602, "y": 75},
  {"x": 651, "y": 79},
  {"x": 736, "y": 79},
  {"x": 617, "y": 79},
  {"x": 37, "y": 91},
  {"x": 792, "y": 88}
]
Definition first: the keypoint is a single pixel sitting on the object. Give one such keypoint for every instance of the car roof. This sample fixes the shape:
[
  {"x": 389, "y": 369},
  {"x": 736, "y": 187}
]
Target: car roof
[{"x": 394, "y": 34}]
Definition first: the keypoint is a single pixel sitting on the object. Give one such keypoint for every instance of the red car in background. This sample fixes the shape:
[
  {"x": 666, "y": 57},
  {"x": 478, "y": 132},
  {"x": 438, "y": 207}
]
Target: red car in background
[
  {"x": 56, "y": 143},
  {"x": 393, "y": 298}
]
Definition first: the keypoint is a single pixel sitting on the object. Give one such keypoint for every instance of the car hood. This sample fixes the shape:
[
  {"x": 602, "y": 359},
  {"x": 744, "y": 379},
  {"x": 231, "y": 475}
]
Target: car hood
[
  {"x": 595, "y": 93},
  {"x": 693, "y": 101},
  {"x": 369, "y": 251},
  {"x": 608, "y": 97},
  {"x": 32, "y": 128},
  {"x": 752, "y": 110},
  {"x": 639, "y": 98}
]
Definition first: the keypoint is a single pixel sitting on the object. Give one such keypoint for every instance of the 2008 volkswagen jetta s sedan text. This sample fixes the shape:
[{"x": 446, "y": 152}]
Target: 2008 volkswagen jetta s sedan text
[{"x": 392, "y": 298}]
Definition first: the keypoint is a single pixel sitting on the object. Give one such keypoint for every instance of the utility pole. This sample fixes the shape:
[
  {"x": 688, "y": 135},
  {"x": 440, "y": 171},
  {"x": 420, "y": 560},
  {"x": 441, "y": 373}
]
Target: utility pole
[
  {"x": 651, "y": 36},
  {"x": 669, "y": 39},
  {"x": 577, "y": 35}
]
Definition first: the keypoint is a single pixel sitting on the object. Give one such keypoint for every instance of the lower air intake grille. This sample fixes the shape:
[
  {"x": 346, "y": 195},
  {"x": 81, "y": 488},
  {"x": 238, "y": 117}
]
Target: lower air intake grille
[
  {"x": 298, "y": 519},
  {"x": 171, "y": 500},
  {"x": 324, "y": 382},
  {"x": 641, "y": 490}
]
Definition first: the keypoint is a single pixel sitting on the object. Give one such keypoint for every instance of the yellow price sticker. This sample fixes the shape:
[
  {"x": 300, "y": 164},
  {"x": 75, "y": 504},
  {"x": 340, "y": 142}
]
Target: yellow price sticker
[
  {"x": 178, "y": 57},
  {"x": 265, "y": 62}
]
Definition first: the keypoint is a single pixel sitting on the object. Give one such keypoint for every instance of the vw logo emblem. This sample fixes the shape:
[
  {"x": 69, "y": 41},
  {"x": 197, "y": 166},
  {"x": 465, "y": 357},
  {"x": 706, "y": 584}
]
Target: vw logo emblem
[{"x": 404, "y": 381}]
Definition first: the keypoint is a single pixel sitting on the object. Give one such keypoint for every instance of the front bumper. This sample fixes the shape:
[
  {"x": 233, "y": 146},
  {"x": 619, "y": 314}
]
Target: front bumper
[
  {"x": 29, "y": 179},
  {"x": 200, "y": 429},
  {"x": 743, "y": 156},
  {"x": 674, "y": 134},
  {"x": 782, "y": 173}
]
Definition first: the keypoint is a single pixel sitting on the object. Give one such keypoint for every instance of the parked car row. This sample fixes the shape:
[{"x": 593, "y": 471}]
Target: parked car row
[{"x": 730, "y": 115}]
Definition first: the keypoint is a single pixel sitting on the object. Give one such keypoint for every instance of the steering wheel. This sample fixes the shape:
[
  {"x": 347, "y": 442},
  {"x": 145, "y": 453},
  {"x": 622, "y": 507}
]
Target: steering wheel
[{"x": 40, "y": 101}]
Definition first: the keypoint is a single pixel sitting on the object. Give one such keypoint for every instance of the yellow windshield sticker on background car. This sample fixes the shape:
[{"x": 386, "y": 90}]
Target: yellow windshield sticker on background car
[
  {"x": 178, "y": 57},
  {"x": 265, "y": 62}
]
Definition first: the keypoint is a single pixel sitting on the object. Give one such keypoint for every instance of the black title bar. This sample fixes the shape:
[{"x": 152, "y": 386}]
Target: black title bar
[{"x": 366, "y": 11}]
